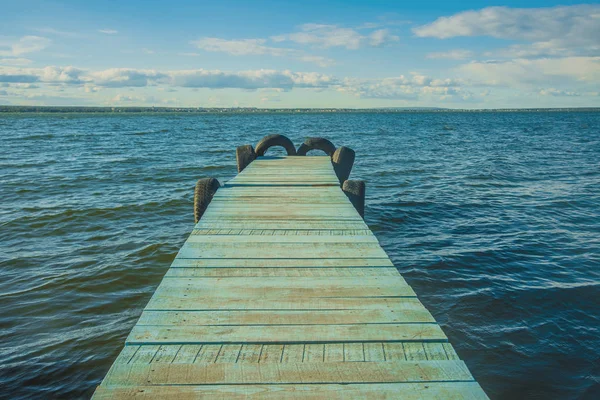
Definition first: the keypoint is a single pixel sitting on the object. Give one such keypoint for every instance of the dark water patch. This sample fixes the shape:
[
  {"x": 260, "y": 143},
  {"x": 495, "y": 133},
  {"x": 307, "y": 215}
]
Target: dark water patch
[{"x": 37, "y": 137}]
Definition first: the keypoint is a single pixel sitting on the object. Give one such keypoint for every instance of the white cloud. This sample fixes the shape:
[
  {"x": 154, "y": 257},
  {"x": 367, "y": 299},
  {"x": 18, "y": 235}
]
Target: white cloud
[
  {"x": 26, "y": 44},
  {"x": 458, "y": 54},
  {"x": 557, "y": 92},
  {"x": 133, "y": 100},
  {"x": 578, "y": 23},
  {"x": 108, "y": 31},
  {"x": 553, "y": 31},
  {"x": 249, "y": 80},
  {"x": 544, "y": 77},
  {"x": 243, "y": 47},
  {"x": 25, "y": 86},
  {"x": 239, "y": 47},
  {"x": 50, "y": 74},
  {"x": 381, "y": 37},
  {"x": 198, "y": 78},
  {"x": 327, "y": 36},
  {"x": 404, "y": 87},
  {"x": 126, "y": 77},
  {"x": 316, "y": 35},
  {"x": 14, "y": 61},
  {"x": 319, "y": 60},
  {"x": 122, "y": 98},
  {"x": 566, "y": 70},
  {"x": 68, "y": 74}
]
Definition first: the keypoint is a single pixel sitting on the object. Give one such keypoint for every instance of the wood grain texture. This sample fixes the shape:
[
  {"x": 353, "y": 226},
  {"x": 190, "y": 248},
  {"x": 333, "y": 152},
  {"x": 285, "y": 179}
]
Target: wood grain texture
[
  {"x": 377, "y": 391},
  {"x": 409, "y": 310},
  {"x": 159, "y": 334},
  {"x": 288, "y": 373}
]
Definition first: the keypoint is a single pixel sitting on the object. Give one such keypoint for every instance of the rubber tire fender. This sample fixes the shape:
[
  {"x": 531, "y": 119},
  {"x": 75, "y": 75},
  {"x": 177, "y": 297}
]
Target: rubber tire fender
[
  {"x": 316, "y": 143},
  {"x": 203, "y": 194},
  {"x": 355, "y": 191},
  {"x": 343, "y": 160},
  {"x": 275, "y": 140},
  {"x": 244, "y": 155}
]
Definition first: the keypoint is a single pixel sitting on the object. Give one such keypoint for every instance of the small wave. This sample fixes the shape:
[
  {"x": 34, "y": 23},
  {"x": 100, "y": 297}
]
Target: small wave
[
  {"x": 46, "y": 136},
  {"x": 142, "y": 133}
]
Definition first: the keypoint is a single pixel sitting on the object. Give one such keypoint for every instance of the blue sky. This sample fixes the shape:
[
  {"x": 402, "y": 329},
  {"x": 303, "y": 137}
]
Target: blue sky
[{"x": 355, "y": 54}]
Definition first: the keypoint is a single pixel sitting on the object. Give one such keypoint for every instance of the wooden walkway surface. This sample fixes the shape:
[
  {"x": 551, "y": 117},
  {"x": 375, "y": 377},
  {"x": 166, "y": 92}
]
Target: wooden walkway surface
[{"x": 282, "y": 291}]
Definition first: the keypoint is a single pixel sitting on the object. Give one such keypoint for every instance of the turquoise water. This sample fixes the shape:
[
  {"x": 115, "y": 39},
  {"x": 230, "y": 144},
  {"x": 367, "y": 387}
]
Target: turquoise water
[{"x": 493, "y": 218}]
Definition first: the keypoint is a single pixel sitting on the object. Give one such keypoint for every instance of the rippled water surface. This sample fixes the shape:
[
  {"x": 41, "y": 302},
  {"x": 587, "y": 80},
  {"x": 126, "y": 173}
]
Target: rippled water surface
[{"x": 493, "y": 218}]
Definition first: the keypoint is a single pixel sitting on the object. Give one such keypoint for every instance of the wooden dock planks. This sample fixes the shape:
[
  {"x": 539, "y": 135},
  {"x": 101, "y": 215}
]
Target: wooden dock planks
[{"x": 282, "y": 291}]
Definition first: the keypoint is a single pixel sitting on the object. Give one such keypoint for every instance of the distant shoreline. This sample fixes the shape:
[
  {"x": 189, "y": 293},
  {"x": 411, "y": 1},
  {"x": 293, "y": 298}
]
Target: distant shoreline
[{"x": 252, "y": 110}]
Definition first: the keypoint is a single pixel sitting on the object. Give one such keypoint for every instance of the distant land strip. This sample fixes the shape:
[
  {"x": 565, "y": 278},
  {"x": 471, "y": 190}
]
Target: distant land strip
[{"x": 254, "y": 110}]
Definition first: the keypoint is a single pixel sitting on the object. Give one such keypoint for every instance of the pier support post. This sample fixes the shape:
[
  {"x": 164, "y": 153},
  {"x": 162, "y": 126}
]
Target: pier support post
[
  {"x": 203, "y": 194},
  {"x": 343, "y": 160},
  {"x": 244, "y": 156},
  {"x": 355, "y": 191}
]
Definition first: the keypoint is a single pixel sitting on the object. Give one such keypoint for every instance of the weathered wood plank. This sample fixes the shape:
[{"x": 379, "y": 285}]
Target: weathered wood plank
[
  {"x": 293, "y": 353},
  {"x": 354, "y": 352},
  {"x": 195, "y": 334},
  {"x": 435, "y": 351},
  {"x": 282, "y": 250},
  {"x": 260, "y": 240},
  {"x": 279, "y": 184},
  {"x": 334, "y": 352},
  {"x": 291, "y": 372},
  {"x": 378, "y": 391},
  {"x": 414, "y": 351},
  {"x": 187, "y": 353},
  {"x": 229, "y": 353},
  {"x": 267, "y": 287},
  {"x": 314, "y": 352},
  {"x": 144, "y": 355},
  {"x": 271, "y": 353},
  {"x": 225, "y": 292},
  {"x": 409, "y": 310},
  {"x": 292, "y": 303},
  {"x": 279, "y": 272},
  {"x": 282, "y": 232},
  {"x": 374, "y": 352},
  {"x": 250, "y": 353},
  {"x": 208, "y": 353},
  {"x": 275, "y": 214},
  {"x": 450, "y": 352},
  {"x": 282, "y": 224},
  {"x": 166, "y": 354},
  {"x": 394, "y": 351},
  {"x": 281, "y": 263}
]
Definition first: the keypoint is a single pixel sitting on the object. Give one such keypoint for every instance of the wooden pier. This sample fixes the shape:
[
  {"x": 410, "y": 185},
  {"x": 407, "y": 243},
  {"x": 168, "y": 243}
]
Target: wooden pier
[{"x": 282, "y": 291}]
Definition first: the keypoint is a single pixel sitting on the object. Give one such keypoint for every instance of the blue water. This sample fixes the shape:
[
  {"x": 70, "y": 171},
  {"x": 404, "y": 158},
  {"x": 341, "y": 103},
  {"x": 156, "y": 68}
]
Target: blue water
[{"x": 493, "y": 218}]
